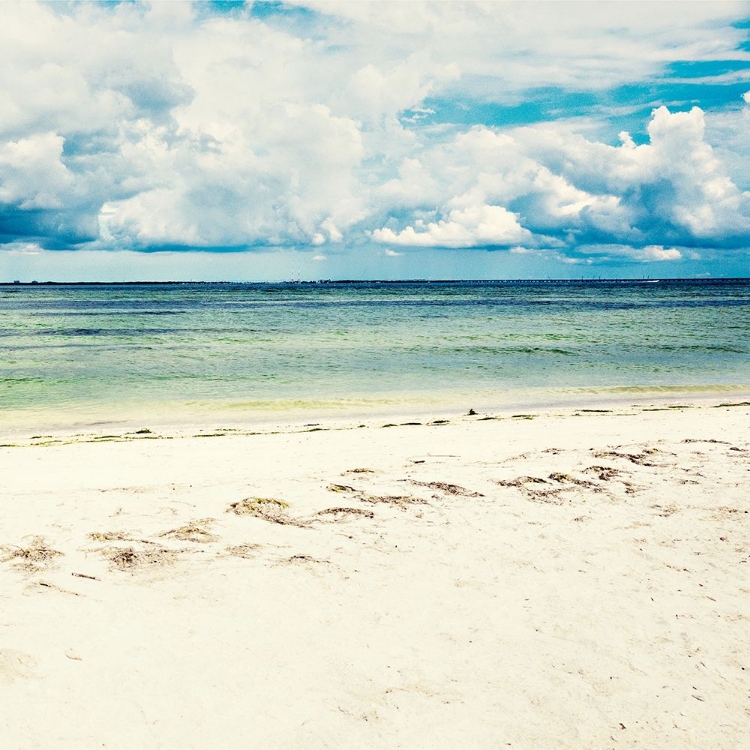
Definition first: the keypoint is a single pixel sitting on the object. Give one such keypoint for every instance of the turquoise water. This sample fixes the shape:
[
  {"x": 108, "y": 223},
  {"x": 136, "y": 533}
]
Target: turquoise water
[{"x": 105, "y": 352}]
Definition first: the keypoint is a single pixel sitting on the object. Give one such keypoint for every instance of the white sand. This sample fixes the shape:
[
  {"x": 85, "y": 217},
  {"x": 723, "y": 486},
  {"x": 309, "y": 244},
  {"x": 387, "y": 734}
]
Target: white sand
[{"x": 596, "y": 594}]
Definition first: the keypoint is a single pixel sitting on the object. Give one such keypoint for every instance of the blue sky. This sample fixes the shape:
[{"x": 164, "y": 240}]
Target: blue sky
[{"x": 317, "y": 139}]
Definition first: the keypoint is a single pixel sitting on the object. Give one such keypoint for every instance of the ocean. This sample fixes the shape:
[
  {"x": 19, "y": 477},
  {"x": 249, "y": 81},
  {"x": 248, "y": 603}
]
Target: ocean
[{"x": 226, "y": 353}]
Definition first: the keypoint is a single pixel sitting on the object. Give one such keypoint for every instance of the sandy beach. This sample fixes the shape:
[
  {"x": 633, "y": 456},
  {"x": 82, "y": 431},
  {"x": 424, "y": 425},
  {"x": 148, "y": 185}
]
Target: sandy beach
[{"x": 568, "y": 579}]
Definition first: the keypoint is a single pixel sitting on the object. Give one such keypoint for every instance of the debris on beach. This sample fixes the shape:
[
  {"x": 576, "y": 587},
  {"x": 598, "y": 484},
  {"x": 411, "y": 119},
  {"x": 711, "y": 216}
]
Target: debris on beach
[
  {"x": 37, "y": 555},
  {"x": 268, "y": 508},
  {"x": 110, "y": 536},
  {"x": 341, "y": 488},
  {"x": 448, "y": 489},
  {"x": 341, "y": 514},
  {"x": 195, "y": 531},
  {"x": 134, "y": 560},
  {"x": 246, "y": 551}
]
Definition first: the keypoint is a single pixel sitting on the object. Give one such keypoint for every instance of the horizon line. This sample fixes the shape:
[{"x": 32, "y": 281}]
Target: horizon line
[{"x": 297, "y": 282}]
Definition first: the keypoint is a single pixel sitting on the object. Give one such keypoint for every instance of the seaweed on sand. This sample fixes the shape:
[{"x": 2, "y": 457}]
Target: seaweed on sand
[
  {"x": 567, "y": 479},
  {"x": 246, "y": 551},
  {"x": 529, "y": 486},
  {"x": 520, "y": 481},
  {"x": 340, "y": 514},
  {"x": 195, "y": 531},
  {"x": 642, "y": 459},
  {"x": 268, "y": 508},
  {"x": 604, "y": 473},
  {"x": 133, "y": 560},
  {"x": 448, "y": 489},
  {"x": 400, "y": 500},
  {"x": 109, "y": 536},
  {"x": 341, "y": 488},
  {"x": 37, "y": 555}
]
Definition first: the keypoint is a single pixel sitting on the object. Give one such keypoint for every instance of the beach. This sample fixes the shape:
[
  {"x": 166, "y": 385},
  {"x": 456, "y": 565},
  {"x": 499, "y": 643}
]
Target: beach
[
  {"x": 561, "y": 578},
  {"x": 374, "y": 375}
]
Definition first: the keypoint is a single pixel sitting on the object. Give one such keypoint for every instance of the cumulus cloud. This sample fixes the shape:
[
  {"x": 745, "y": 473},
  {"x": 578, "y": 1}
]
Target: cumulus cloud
[
  {"x": 293, "y": 185},
  {"x": 648, "y": 253},
  {"x": 533, "y": 44},
  {"x": 373, "y": 94},
  {"x": 33, "y": 173},
  {"x": 687, "y": 186},
  {"x": 474, "y": 226},
  {"x": 164, "y": 125},
  {"x": 727, "y": 131},
  {"x": 161, "y": 130},
  {"x": 539, "y": 186},
  {"x": 22, "y": 248},
  {"x": 655, "y": 252}
]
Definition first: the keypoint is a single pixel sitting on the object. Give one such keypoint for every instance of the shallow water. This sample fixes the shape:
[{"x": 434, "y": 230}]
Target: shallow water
[{"x": 182, "y": 351}]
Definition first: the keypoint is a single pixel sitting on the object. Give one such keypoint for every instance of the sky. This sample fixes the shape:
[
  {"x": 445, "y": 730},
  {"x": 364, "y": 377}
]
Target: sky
[{"x": 312, "y": 139}]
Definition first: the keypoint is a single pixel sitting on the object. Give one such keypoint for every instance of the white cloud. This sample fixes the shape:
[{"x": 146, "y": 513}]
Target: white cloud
[
  {"x": 475, "y": 226},
  {"x": 33, "y": 176},
  {"x": 655, "y": 252},
  {"x": 372, "y": 94},
  {"x": 391, "y": 253},
  {"x": 728, "y": 132},
  {"x": 22, "y": 248},
  {"x": 563, "y": 188},
  {"x": 83, "y": 72},
  {"x": 643, "y": 254},
  {"x": 536, "y": 44},
  {"x": 575, "y": 261},
  {"x": 295, "y": 185},
  {"x": 329, "y": 226},
  {"x": 143, "y": 125}
]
